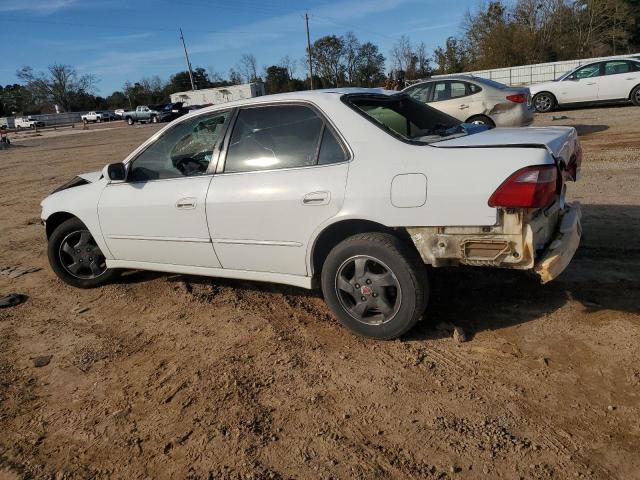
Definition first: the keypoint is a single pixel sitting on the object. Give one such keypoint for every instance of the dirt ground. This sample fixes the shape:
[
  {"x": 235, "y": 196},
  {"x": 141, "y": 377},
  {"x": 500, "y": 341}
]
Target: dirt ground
[{"x": 165, "y": 376}]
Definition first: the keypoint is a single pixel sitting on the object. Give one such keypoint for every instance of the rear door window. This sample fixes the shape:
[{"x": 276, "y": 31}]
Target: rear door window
[
  {"x": 274, "y": 137},
  {"x": 617, "y": 67},
  {"x": 448, "y": 90}
]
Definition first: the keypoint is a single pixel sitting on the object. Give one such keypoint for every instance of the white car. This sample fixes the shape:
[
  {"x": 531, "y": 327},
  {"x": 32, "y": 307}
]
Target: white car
[
  {"x": 476, "y": 100},
  {"x": 603, "y": 81},
  {"x": 352, "y": 190}
]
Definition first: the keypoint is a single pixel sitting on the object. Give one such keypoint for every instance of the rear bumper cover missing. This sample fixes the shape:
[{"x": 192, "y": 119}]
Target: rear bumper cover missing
[
  {"x": 542, "y": 240},
  {"x": 560, "y": 251}
]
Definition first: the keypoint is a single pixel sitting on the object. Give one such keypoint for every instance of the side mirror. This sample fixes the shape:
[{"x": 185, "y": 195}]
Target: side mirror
[{"x": 116, "y": 172}]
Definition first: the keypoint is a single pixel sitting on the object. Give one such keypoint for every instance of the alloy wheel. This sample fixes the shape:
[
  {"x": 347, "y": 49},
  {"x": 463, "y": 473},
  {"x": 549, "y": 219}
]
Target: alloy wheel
[
  {"x": 543, "y": 103},
  {"x": 368, "y": 290},
  {"x": 80, "y": 256}
]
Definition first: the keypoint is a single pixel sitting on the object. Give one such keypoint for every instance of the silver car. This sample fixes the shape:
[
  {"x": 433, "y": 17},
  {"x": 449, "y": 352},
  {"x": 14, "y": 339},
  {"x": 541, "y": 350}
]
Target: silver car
[{"x": 476, "y": 100}]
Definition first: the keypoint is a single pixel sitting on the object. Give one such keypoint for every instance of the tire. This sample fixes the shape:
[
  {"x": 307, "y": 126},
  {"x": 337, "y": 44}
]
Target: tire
[
  {"x": 375, "y": 285},
  {"x": 130, "y": 121},
  {"x": 75, "y": 258},
  {"x": 544, "y": 102},
  {"x": 481, "y": 120},
  {"x": 635, "y": 96},
  {"x": 154, "y": 119}
]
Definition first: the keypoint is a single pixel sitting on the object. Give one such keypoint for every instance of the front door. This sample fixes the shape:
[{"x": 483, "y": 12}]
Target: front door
[
  {"x": 284, "y": 174},
  {"x": 158, "y": 215},
  {"x": 581, "y": 86}
]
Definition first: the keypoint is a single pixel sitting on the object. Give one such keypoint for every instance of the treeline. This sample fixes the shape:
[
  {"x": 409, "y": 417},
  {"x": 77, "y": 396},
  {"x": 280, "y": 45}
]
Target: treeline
[
  {"x": 493, "y": 36},
  {"x": 535, "y": 31}
]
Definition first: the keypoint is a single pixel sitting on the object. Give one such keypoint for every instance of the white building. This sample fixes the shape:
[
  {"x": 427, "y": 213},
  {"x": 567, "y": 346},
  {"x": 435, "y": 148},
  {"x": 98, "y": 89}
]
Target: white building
[{"x": 213, "y": 96}]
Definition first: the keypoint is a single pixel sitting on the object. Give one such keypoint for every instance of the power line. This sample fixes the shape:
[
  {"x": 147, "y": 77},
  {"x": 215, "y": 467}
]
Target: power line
[{"x": 353, "y": 27}]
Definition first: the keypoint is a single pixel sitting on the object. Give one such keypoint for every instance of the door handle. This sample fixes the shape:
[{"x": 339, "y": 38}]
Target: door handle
[
  {"x": 591, "y": 83},
  {"x": 186, "y": 203},
  {"x": 316, "y": 198},
  {"x": 462, "y": 107}
]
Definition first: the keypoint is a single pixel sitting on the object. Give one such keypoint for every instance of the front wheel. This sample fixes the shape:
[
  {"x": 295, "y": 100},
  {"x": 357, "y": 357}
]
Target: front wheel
[
  {"x": 544, "y": 102},
  {"x": 75, "y": 257},
  {"x": 481, "y": 120},
  {"x": 375, "y": 285},
  {"x": 130, "y": 120},
  {"x": 154, "y": 119}
]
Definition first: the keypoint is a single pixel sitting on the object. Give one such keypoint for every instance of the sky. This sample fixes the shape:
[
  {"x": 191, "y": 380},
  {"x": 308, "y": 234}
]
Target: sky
[{"x": 125, "y": 40}]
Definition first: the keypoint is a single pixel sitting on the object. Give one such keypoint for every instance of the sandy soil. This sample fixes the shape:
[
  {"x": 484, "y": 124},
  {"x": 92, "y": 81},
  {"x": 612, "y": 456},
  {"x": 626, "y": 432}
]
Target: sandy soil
[{"x": 162, "y": 376}]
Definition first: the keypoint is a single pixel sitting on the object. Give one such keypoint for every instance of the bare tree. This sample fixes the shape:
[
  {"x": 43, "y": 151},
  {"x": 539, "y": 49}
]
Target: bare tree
[
  {"x": 59, "y": 85},
  {"x": 352, "y": 58},
  {"x": 290, "y": 65},
  {"x": 248, "y": 67}
]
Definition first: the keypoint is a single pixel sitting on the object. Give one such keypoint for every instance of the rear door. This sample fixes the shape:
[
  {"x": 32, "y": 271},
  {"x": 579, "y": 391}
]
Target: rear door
[
  {"x": 283, "y": 173},
  {"x": 582, "y": 85},
  {"x": 620, "y": 76},
  {"x": 453, "y": 97}
]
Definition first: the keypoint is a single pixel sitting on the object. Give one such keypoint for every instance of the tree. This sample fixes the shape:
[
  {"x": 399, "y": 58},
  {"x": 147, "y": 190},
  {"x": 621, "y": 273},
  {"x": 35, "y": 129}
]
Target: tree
[
  {"x": 327, "y": 60},
  {"x": 234, "y": 77},
  {"x": 248, "y": 67},
  {"x": 277, "y": 79},
  {"x": 451, "y": 58},
  {"x": 59, "y": 85},
  {"x": 290, "y": 65},
  {"x": 352, "y": 60},
  {"x": 370, "y": 70},
  {"x": 413, "y": 61}
]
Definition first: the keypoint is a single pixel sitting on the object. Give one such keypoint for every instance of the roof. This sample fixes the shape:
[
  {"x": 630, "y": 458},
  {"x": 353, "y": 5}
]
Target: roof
[{"x": 315, "y": 96}]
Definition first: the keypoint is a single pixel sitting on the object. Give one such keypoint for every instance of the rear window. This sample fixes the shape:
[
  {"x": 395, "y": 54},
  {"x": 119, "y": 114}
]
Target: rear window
[
  {"x": 404, "y": 117},
  {"x": 490, "y": 83}
]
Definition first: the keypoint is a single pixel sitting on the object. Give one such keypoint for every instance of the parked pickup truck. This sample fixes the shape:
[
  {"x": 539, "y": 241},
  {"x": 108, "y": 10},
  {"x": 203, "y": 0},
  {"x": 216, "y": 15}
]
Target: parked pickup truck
[
  {"x": 96, "y": 117},
  {"x": 27, "y": 122},
  {"x": 141, "y": 114}
]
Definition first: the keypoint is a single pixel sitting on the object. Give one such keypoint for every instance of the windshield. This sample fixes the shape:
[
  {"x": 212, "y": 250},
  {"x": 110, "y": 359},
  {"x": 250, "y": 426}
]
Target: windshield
[{"x": 406, "y": 118}]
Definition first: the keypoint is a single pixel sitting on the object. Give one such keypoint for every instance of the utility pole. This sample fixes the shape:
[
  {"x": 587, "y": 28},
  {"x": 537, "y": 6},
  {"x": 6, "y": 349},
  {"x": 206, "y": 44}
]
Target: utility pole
[
  {"x": 306, "y": 19},
  {"x": 193, "y": 86}
]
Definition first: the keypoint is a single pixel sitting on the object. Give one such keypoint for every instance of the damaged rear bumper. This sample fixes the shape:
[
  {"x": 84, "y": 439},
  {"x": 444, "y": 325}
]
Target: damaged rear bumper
[
  {"x": 560, "y": 251},
  {"x": 542, "y": 241}
]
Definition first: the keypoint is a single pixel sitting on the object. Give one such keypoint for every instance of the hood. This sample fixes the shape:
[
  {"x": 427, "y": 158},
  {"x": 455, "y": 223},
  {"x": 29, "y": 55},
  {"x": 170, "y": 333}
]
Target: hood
[
  {"x": 561, "y": 142},
  {"x": 91, "y": 176}
]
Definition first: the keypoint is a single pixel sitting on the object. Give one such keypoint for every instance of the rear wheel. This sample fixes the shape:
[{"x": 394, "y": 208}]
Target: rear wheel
[
  {"x": 635, "y": 96},
  {"x": 76, "y": 258},
  {"x": 481, "y": 120},
  {"x": 375, "y": 285},
  {"x": 544, "y": 102}
]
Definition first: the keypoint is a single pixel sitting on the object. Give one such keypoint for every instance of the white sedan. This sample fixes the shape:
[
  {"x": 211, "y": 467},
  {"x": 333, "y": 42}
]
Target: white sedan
[
  {"x": 598, "y": 82},
  {"x": 353, "y": 190}
]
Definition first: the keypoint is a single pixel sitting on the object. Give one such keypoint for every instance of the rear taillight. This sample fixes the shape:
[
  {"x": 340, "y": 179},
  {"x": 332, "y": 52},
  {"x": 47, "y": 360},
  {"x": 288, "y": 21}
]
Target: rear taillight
[
  {"x": 529, "y": 187},
  {"x": 517, "y": 98}
]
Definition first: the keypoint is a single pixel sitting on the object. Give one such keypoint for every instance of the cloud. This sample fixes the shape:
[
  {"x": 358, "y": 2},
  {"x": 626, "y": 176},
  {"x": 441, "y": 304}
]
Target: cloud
[{"x": 37, "y": 6}]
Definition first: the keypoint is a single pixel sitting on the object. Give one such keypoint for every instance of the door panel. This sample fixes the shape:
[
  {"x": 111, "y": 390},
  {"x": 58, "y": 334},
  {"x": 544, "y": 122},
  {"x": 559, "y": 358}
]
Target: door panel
[
  {"x": 452, "y": 98},
  {"x": 618, "y": 80},
  {"x": 263, "y": 221},
  {"x": 159, "y": 214},
  {"x": 160, "y": 221},
  {"x": 582, "y": 86}
]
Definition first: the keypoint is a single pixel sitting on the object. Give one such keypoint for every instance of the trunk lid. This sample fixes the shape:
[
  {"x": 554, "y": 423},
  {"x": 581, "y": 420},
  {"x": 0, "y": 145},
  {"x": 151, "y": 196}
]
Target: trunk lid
[{"x": 561, "y": 142}]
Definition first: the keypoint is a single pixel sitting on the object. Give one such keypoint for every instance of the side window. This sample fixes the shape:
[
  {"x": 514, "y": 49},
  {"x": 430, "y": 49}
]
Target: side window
[
  {"x": 183, "y": 151},
  {"x": 473, "y": 88},
  {"x": 448, "y": 90},
  {"x": 420, "y": 92},
  {"x": 330, "y": 149},
  {"x": 266, "y": 138},
  {"x": 588, "y": 72},
  {"x": 616, "y": 67}
]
